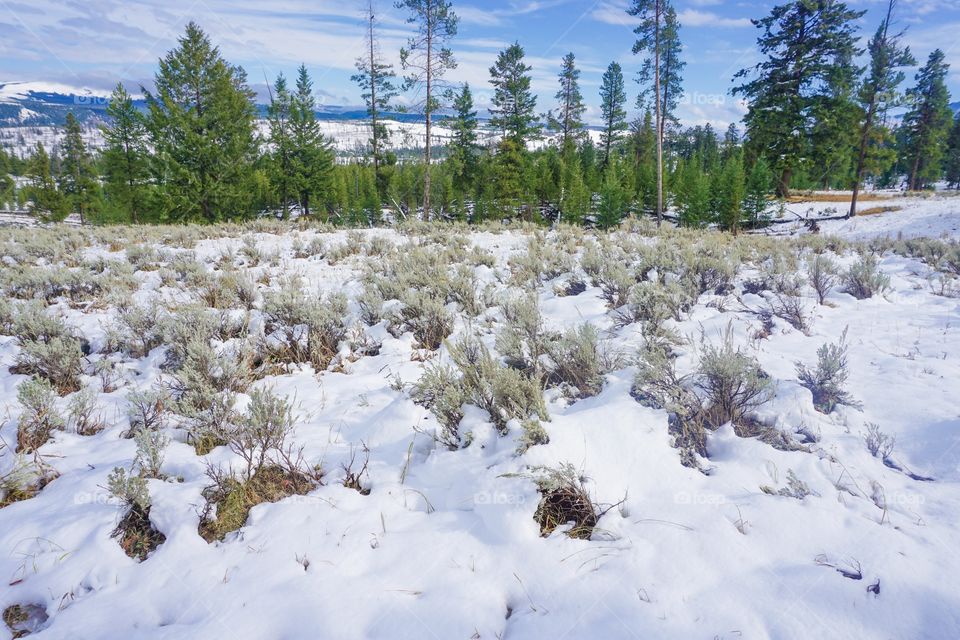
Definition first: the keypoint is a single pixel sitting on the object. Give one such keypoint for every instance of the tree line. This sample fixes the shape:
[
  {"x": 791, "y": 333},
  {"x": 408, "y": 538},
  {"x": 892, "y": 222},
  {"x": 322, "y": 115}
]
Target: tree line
[{"x": 815, "y": 120}]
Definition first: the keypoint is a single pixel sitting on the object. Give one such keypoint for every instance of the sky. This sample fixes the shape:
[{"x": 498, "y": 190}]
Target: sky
[{"x": 96, "y": 43}]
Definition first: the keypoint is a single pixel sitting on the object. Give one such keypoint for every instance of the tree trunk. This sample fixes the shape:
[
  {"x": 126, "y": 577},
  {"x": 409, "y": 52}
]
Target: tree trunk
[
  {"x": 783, "y": 185},
  {"x": 656, "y": 82},
  {"x": 429, "y": 113}
]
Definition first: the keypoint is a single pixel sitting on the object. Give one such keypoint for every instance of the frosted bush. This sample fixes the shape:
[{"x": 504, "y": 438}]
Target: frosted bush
[
  {"x": 427, "y": 317},
  {"x": 578, "y": 361},
  {"x": 83, "y": 412},
  {"x": 732, "y": 383},
  {"x": 864, "y": 279},
  {"x": 39, "y": 416},
  {"x": 260, "y": 435},
  {"x": 138, "y": 329},
  {"x": 58, "y": 360},
  {"x": 130, "y": 489},
  {"x": 151, "y": 446},
  {"x": 441, "y": 390},
  {"x": 822, "y": 275},
  {"x": 879, "y": 444},
  {"x": 147, "y": 410},
  {"x": 827, "y": 380},
  {"x": 523, "y": 340},
  {"x": 305, "y": 330},
  {"x": 504, "y": 393}
]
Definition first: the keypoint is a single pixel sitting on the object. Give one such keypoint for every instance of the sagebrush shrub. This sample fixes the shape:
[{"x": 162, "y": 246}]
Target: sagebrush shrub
[
  {"x": 504, "y": 393},
  {"x": 822, "y": 275},
  {"x": 58, "y": 360},
  {"x": 427, "y": 317},
  {"x": 151, "y": 446},
  {"x": 578, "y": 361},
  {"x": 441, "y": 390},
  {"x": 135, "y": 533},
  {"x": 523, "y": 339},
  {"x": 304, "y": 330},
  {"x": 732, "y": 383},
  {"x": 39, "y": 416},
  {"x": 147, "y": 410},
  {"x": 879, "y": 444},
  {"x": 827, "y": 380},
  {"x": 864, "y": 279},
  {"x": 564, "y": 501},
  {"x": 84, "y": 414}
]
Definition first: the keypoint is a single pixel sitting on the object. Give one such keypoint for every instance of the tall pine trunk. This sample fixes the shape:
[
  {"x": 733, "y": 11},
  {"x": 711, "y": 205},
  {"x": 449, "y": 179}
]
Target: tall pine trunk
[
  {"x": 429, "y": 112},
  {"x": 656, "y": 54}
]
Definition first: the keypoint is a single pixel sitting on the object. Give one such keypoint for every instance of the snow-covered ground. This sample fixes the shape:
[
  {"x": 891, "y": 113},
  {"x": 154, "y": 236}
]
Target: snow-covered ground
[{"x": 446, "y": 546}]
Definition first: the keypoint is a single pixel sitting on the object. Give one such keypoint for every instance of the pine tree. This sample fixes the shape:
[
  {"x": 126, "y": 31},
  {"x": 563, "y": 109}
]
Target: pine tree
[
  {"x": 125, "y": 157},
  {"x": 951, "y": 163},
  {"x": 463, "y": 143},
  {"x": 878, "y": 90},
  {"x": 569, "y": 118},
  {"x": 731, "y": 192},
  {"x": 201, "y": 125},
  {"x": 613, "y": 99},
  {"x": 614, "y": 202},
  {"x": 47, "y": 202},
  {"x": 693, "y": 194},
  {"x": 510, "y": 177},
  {"x": 731, "y": 141},
  {"x": 575, "y": 197},
  {"x": 809, "y": 46},
  {"x": 757, "y": 191},
  {"x": 425, "y": 59},
  {"x": 376, "y": 81},
  {"x": 658, "y": 38},
  {"x": 280, "y": 161},
  {"x": 513, "y": 101},
  {"x": 311, "y": 155},
  {"x": 927, "y": 122},
  {"x": 78, "y": 182}
]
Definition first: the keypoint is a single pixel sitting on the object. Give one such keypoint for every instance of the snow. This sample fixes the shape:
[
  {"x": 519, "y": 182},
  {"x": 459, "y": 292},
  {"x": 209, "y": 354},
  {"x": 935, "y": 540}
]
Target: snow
[{"x": 445, "y": 546}]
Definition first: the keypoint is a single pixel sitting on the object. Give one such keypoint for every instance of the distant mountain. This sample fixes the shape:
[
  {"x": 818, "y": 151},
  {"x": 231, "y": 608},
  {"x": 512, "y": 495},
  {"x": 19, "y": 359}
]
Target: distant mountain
[{"x": 37, "y": 104}]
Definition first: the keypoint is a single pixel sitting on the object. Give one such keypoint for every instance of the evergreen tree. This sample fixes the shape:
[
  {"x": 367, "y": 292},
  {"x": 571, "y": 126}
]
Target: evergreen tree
[
  {"x": 280, "y": 161},
  {"x": 613, "y": 99},
  {"x": 658, "y": 38},
  {"x": 375, "y": 79},
  {"x": 575, "y": 197},
  {"x": 927, "y": 123},
  {"x": 569, "y": 118},
  {"x": 878, "y": 90},
  {"x": 513, "y": 101},
  {"x": 693, "y": 194},
  {"x": 425, "y": 58},
  {"x": 731, "y": 141},
  {"x": 311, "y": 155},
  {"x": 731, "y": 192},
  {"x": 78, "y": 182},
  {"x": 757, "y": 191},
  {"x": 463, "y": 143},
  {"x": 510, "y": 177},
  {"x": 614, "y": 201},
  {"x": 809, "y": 46},
  {"x": 125, "y": 157},
  {"x": 47, "y": 202},
  {"x": 201, "y": 125},
  {"x": 952, "y": 162}
]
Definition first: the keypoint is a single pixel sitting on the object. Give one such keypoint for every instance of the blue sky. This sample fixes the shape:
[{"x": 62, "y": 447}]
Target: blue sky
[{"x": 95, "y": 43}]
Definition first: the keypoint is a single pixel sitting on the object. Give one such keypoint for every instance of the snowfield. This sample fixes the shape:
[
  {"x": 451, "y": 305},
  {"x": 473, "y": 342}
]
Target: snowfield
[{"x": 788, "y": 527}]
